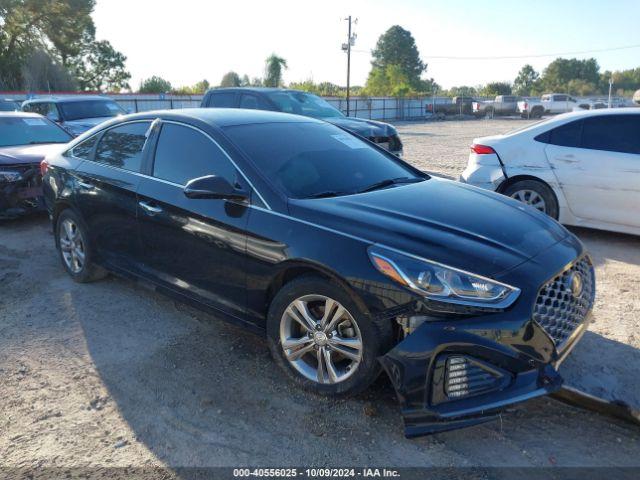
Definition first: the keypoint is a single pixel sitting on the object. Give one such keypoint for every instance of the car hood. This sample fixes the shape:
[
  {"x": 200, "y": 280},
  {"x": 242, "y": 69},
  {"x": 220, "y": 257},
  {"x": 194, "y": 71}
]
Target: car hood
[
  {"x": 440, "y": 220},
  {"x": 365, "y": 128},
  {"x": 25, "y": 154},
  {"x": 83, "y": 124}
]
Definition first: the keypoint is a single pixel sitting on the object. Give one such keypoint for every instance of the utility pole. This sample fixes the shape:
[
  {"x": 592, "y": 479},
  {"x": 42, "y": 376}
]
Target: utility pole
[
  {"x": 351, "y": 39},
  {"x": 610, "y": 86}
]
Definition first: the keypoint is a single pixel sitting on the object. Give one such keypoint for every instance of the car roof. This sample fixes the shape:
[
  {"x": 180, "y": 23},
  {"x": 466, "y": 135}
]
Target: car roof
[
  {"x": 20, "y": 115},
  {"x": 256, "y": 90},
  {"x": 222, "y": 117},
  {"x": 74, "y": 98},
  {"x": 599, "y": 112}
]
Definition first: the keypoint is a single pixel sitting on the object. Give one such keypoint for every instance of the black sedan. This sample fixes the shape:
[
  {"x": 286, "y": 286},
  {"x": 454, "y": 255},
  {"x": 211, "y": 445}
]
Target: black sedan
[
  {"x": 347, "y": 258},
  {"x": 25, "y": 140},
  {"x": 303, "y": 103}
]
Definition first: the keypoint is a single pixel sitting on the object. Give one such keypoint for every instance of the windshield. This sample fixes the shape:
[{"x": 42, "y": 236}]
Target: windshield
[
  {"x": 318, "y": 159},
  {"x": 305, "y": 104},
  {"x": 8, "y": 106},
  {"x": 30, "y": 131},
  {"x": 90, "y": 109}
]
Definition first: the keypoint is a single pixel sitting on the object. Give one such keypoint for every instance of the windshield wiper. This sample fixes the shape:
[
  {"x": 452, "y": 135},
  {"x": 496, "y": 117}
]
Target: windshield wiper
[
  {"x": 390, "y": 181},
  {"x": 327, "y": 194}
]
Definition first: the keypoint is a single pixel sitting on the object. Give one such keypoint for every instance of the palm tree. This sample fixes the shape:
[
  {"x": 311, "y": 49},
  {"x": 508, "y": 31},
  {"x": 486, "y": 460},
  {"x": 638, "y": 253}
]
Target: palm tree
[{"x": 273, "y": 70}]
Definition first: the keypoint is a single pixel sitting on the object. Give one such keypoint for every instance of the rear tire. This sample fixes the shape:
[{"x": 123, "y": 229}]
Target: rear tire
[
  {"x": 536, "y": 194},
  {"x": 340, "y": 375},
  {"x": 75, "y": 250}
]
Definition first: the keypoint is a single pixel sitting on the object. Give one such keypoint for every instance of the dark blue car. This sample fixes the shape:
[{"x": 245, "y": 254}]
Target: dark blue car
[{"x": 346, "y": 258}]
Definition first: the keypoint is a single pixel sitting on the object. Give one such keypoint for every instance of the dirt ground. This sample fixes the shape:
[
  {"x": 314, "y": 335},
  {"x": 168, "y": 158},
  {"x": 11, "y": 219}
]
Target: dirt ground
[{"x": 114, "y": 375}]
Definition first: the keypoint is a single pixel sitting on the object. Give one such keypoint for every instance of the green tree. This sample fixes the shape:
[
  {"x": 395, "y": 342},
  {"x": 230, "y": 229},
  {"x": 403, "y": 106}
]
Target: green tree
[
  {"x": 462, "y": 91},
  {"x": 492, "y": 89},
  {"x": 397, "y": 47},
  {"x": 244, "y": 81},
  {"x": 561, "y": 71},
  {"x": 274, "y": 66},
  {"x": 195, "y": 89},
  {"x": 155, "y": 84},
  {"x": 230, "y": 79},
  {"x": 526, "y": 81},
  {"x": 42, "y": 72},
  {"x": 99, "y": 67},
  {"x": 64, "y": 30}
]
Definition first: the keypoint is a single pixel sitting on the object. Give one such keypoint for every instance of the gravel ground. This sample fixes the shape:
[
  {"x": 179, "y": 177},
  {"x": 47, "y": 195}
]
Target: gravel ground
[{"x": 114, "y": 375}]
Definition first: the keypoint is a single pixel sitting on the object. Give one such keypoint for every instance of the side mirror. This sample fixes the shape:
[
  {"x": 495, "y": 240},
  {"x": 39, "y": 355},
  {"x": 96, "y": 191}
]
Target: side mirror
[{"x": 212, "y": 186}]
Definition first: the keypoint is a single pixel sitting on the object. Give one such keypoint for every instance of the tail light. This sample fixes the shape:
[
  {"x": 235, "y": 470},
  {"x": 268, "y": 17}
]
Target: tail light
[
  {"x": 44, "y": 166},
  {"x": 482, "y": 149},
  {"x": 526, "y": 105}
]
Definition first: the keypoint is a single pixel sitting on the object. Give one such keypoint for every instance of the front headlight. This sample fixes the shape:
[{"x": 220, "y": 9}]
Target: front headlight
[
  {"x": 439, "y": 282},
  {"x": 10, "y": 176}
]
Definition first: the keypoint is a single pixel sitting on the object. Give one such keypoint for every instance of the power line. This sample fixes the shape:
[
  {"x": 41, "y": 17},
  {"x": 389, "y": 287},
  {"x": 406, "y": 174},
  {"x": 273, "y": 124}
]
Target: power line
[{"x": 507, "y": 57}]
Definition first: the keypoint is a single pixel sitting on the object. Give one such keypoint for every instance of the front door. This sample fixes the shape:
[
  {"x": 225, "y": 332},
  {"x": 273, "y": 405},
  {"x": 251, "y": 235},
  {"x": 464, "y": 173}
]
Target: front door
[
  {"x": 599, "y": 168},
  {"x": 194, "y": 246}
]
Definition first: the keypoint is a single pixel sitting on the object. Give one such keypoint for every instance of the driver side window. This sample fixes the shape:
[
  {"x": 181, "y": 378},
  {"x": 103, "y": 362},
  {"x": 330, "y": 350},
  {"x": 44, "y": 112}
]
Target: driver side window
[{"x": 183, "y": 153}]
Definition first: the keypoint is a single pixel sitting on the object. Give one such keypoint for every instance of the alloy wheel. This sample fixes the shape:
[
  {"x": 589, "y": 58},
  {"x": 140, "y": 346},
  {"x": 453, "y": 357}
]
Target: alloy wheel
[
  {"x": 532, "y": 198},
  {"x": 72, "y": 245},
  {"x": 321, "y": 339}
]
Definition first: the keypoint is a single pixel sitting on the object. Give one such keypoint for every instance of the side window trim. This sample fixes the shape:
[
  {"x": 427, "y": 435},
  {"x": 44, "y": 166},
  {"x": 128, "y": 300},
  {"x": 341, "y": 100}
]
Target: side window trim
[
  {"x": 224, "y": 152},
  {"x": 97, "y": 136},
  {"x": 102, "y": 133}
]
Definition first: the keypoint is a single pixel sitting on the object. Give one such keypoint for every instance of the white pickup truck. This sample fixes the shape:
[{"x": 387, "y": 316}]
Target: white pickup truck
[{"x": 549, "y": 103}]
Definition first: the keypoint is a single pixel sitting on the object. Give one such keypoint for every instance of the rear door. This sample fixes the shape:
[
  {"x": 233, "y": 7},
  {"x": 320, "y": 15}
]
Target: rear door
[
  {"x": 597, "y": 162},
  {"x": 105, "y": 191},
  {"x": 194, "y": 246}
]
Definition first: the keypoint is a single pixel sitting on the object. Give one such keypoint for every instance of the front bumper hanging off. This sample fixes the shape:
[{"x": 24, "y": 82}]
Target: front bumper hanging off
[
  {"x": 23, "y": 194},
  {"x": 449, "y": 375}
]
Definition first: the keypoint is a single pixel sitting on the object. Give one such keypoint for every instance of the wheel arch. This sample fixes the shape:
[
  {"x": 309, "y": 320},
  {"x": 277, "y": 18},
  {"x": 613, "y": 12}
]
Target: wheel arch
[{"x": 293, "y": 269}]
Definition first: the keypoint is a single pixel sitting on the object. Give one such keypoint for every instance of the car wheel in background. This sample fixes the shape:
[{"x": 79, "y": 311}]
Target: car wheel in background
[
  {"x": 74, "y": 249},
  {"x": 320, "y": 337},
  {"x": 536, "y": 194},
  {"x": 537, "y": 113}
]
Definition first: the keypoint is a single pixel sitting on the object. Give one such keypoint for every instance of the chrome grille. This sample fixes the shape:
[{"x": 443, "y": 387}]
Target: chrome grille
[{"x": 563, "y": 302}]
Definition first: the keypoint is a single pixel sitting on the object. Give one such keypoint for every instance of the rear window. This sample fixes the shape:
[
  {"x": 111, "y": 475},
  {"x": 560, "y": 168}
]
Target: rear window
[
  {"x": 222, "y": 100},
  {"x": 307, "y": 159},
  {"x": 567, "y": 135}
]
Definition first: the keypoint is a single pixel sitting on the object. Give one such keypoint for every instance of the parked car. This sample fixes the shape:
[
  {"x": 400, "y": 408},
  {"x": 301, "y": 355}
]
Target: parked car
[
  {"x": 303, "y": 103},
  {"x": 581, "y": 168},
  {"x": 502, "y": 105},
  {"x": 457, "y": 106},
  {"x": 9, "y": 105},
  {"x": 552, "y": 103},
  {"x": 590, "y": 105},
  {"x": 76, "y": 114},
  {"x": 25, "y": 139},
  {"x": 343, "y": 255}
]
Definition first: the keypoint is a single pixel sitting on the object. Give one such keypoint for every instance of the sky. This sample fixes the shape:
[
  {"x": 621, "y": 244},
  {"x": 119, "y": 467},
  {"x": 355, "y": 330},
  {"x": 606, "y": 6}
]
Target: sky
[{"x": 186, "y": 41}]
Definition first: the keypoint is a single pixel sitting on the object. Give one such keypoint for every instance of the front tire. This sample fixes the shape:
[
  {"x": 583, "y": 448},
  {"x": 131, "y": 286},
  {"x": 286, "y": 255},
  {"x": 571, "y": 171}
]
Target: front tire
[
  {"x": 74, "y": 249},
  {"x": 535, "y": 194},
  {"x": 322, "y": 340}
]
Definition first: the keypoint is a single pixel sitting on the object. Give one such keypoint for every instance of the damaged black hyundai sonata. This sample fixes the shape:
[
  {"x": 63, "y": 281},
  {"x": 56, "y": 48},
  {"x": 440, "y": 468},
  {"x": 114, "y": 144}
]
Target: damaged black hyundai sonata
[{"x": 347, "y": 258}]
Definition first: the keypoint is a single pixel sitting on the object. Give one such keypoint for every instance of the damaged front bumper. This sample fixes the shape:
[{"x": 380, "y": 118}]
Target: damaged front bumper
[
  {"x": 20, "y": 191},
  {"x": 447, "y": 377},
  {"x": 453, "y": 372}
]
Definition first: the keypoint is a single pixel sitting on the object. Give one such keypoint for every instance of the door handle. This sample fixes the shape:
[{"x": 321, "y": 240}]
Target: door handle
[
  {"x": 86, "y": 186},
  {"x": 150, "y": 209},
  {"x": 568, "y": 159}
]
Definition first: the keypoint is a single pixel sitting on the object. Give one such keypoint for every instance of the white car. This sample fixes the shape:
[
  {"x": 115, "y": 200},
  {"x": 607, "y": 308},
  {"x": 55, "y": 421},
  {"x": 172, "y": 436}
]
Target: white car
[{"x": 581, "y": 168}]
